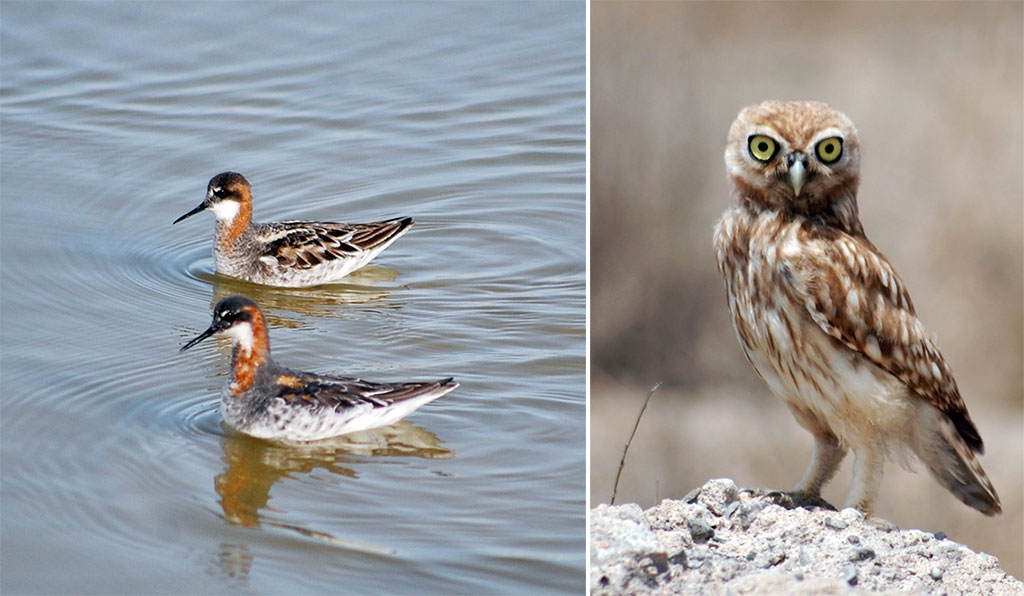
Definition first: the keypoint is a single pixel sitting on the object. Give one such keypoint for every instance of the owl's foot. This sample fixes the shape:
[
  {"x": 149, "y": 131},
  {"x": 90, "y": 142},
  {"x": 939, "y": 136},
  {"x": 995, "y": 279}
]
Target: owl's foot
[{"x": 790, "y": 499}]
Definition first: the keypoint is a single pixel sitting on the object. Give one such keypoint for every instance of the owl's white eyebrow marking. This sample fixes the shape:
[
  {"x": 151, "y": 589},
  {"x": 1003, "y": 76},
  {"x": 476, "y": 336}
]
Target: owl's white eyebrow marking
[
  {"x": 827, "y": 133},
  {"x": 766, "y": 131}
]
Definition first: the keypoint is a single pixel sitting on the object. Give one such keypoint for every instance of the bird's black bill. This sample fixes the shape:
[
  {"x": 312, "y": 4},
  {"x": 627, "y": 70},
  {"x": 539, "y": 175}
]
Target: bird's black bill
[
  {"x": 200, "y": 338},
  {"x": 202, "y": 207}
]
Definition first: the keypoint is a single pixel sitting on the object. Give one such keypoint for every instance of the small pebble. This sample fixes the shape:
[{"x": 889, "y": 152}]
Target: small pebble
[
  {"x": 850, "y": 574},
  {"x": 940, "y": 535},
  {"x": 853, "y": 539},
  {"x": 748, "y": 512},
  {"x": 936, "y": 573},
  {"x": 658, "y": 563},
  {"x": 883, "y": 525},
  {"x": 774, "y": 559},
  {"x": 805, "y": 559},
  {"x": 862, "y": 554},
  {"x": 700, "y": 530},
  {"x": 718, "y": 494},
  {"x": 851, "y": 514},
  {"x": 836, "y": 523}
]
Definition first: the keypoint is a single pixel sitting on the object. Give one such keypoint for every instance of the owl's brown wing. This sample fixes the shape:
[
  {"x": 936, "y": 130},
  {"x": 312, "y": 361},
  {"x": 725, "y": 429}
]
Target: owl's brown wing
[{"x": 852, "y": 292}]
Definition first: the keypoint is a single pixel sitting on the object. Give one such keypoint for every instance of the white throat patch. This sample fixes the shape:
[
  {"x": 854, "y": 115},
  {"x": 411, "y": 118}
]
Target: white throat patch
[
  {"x": 241, "y": 334},
  {"x": 225, "y": 211}
]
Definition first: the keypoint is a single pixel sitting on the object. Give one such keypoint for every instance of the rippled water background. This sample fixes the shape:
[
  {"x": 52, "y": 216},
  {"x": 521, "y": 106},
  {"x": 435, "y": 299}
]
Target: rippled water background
[{"x": 117, "y": 473}]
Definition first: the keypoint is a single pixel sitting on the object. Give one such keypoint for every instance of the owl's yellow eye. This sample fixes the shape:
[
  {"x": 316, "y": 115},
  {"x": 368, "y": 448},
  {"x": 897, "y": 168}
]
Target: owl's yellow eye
[
  {"x": 830, "y": 149},
  {"x": 762, "y": 148}
]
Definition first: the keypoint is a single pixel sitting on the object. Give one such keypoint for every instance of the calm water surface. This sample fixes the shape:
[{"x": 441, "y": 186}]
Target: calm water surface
[{"x": 117, "y": 475}]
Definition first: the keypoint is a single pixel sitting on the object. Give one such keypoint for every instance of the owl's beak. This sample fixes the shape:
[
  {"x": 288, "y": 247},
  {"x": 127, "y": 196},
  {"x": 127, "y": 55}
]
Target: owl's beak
[{"x": 797, "y": 174}]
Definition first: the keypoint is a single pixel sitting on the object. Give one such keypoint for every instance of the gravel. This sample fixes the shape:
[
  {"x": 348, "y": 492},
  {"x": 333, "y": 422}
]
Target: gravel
[{"x": 721, "y": 540}]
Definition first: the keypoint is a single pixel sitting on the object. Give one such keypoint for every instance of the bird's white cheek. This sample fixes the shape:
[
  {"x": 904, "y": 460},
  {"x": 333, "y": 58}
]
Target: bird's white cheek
[
  {"x": 225, "y": 210},
  {"x": 241, "y": 335}
]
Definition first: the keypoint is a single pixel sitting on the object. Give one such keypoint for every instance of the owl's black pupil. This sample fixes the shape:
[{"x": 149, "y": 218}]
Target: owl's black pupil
[{"x": 762, "y": 146}]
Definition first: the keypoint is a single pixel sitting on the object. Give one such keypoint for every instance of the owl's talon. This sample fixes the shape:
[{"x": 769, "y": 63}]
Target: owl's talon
[{"x": 789, "y": 499}]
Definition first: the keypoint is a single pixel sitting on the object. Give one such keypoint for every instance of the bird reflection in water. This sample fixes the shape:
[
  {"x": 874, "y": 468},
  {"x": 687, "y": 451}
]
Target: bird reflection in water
[
  {"x": 369, "y": 285},
  {"x": 253, "y": 466}
]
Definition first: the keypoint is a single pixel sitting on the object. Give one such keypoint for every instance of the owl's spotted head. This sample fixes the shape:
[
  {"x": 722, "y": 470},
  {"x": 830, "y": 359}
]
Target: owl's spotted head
[{"x": 797, "y": 156}]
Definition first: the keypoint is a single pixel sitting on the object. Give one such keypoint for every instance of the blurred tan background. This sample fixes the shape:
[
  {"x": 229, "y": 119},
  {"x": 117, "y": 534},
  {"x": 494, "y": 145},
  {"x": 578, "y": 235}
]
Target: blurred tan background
[{"x": 935, "y": 90}]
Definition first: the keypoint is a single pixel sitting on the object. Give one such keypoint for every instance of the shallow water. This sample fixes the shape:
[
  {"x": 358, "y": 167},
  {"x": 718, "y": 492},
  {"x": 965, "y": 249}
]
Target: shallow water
[{"x": 118, "y": 476}]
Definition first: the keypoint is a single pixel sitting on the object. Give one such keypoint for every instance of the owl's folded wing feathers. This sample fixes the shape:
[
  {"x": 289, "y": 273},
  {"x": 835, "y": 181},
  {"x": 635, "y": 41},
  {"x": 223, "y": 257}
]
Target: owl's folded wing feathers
[{"x": 852, "y": 292}]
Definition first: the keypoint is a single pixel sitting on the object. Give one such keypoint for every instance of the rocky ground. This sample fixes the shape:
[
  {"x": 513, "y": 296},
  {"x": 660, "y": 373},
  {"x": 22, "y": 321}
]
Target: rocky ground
[{"x": 722, "y": 540}]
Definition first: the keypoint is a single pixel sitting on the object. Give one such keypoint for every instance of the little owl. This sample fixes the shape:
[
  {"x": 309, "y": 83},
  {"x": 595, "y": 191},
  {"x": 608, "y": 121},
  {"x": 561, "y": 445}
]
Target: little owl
[{"x": 825, "y": 320}]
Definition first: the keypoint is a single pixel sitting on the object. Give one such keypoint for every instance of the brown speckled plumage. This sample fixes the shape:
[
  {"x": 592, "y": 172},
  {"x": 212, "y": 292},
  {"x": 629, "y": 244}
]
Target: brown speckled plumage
[{"x": 822, "y": 315}]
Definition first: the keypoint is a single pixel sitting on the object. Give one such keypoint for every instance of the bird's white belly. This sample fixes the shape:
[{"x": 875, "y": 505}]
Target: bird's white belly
[
  {"x": 824, "y": 383},
  {"x": 286, "y": 422},
  {"x": 325, "y": 272},
  {"x": 243, "y": 263}
]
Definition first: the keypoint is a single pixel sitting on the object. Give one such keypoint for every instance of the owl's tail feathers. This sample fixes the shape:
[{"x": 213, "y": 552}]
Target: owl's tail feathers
[{"x": 952, "y": 462}]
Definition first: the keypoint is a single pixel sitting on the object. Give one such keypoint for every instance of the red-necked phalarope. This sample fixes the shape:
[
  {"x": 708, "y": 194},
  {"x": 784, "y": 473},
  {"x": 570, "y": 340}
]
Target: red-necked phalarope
[
  {"x": 287, "y": 253},
  {"x": 269, "y": 401}
]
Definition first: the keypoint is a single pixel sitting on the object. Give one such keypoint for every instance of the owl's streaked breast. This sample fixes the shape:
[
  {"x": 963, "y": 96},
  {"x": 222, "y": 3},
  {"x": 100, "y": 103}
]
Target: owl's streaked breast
[{"x": 825, "y": 384}]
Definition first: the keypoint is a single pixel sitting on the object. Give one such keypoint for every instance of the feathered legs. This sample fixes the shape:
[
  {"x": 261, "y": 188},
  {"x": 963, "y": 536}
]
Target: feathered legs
[{"x": 828, "y": 454}]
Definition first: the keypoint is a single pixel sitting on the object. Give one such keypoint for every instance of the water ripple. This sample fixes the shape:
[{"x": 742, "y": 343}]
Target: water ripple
[{"x": 469, "y": 118}]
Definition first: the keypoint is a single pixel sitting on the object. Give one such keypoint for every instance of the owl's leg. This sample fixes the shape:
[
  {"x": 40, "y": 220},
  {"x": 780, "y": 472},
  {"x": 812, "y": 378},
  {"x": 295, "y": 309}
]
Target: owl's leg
[
  {"x": 828, "y": 454},
  {"x": 867, "y": 476}
]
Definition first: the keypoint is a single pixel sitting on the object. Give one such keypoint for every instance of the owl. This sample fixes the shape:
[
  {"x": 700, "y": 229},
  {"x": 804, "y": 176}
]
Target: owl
[{"x": 823, "y": 317}]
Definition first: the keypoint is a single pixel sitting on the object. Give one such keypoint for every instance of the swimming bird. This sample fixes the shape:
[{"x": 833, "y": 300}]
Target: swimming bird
[
  {"x": 269, "y": 401},
  {"x": 287, "y": 253}
]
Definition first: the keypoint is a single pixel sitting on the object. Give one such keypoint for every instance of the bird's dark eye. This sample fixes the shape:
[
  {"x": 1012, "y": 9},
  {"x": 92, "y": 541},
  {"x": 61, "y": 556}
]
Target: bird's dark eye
[
  {"x": 829, "y": 150},
  {"x": 237, "y": 315},
  {"x": 762, "y": 148},
  {"x": 220, "y": 192}
]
